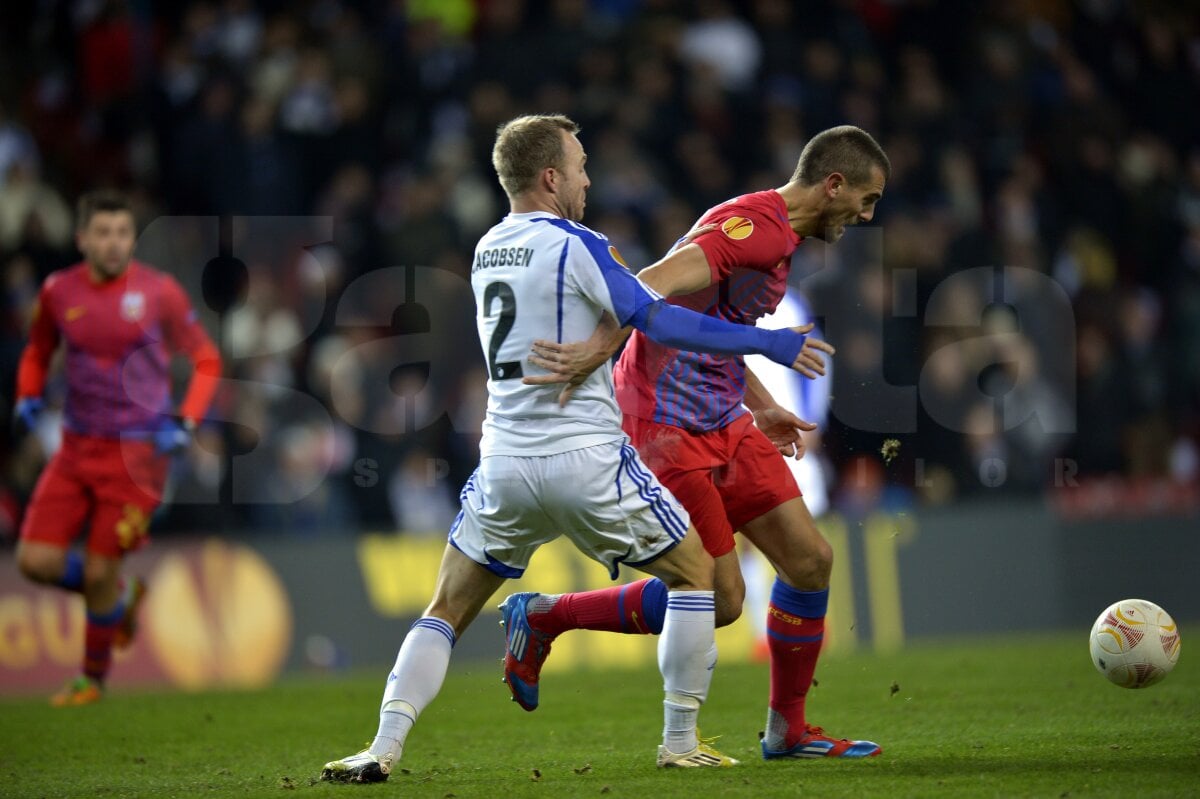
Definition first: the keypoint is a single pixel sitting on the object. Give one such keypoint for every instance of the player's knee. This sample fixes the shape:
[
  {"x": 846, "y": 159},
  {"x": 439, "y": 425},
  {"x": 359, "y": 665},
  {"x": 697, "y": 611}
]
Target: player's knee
[
  {"x": 700, "y": 570},
  {"x": 730, "y": 596},
  {"x": 822, "y": 559},
  {"x": 815, "y": 564},
  {"x": 100, "y": 577},
  {"x": 692, "y": 578},
  {"x": 810, "y": 569},
  {"x": 39, "y": 565},
  {"x": 33, "y": 569},
  {"x": 729, "y": 610},
  {"x": 731, "y": 589}
]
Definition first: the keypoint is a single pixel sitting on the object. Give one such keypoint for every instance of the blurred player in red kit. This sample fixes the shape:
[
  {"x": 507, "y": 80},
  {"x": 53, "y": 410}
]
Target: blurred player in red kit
[
  {"x": 686, "y": 414},
  {"x": 121, "y": 321}
]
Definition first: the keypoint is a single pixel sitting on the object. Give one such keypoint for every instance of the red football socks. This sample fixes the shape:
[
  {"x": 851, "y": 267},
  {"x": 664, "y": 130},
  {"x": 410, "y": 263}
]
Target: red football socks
[
  {"x": 635, "y": 608},
  {"x": 795, "y": 631}
]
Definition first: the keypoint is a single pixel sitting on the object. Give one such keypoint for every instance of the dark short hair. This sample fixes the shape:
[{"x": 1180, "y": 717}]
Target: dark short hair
[
  {"x": 845, "y": 149},
  {"x": 527, "y": 145},
  {"x": 100, "y": 201}
]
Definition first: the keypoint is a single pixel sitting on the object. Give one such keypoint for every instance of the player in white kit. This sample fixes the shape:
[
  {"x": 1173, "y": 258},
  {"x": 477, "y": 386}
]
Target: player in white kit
[{"x": 548, "y": 469}]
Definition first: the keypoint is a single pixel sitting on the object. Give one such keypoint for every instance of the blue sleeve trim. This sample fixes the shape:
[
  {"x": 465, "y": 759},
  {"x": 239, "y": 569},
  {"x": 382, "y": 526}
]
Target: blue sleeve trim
[{"x": 685, "y": 329}]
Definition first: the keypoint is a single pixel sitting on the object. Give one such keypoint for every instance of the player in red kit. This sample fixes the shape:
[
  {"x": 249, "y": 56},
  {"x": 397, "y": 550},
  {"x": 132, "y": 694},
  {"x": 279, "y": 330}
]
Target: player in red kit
[
  {"x": 687, "y": 416},
  {"x": 120, "y": 322}
]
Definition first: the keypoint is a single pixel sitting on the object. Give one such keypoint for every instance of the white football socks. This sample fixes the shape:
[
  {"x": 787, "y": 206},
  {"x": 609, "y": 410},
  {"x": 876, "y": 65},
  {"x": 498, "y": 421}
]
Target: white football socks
[
  {"x": 413, "y": 683},
  {"x": 686, "y": 658}
]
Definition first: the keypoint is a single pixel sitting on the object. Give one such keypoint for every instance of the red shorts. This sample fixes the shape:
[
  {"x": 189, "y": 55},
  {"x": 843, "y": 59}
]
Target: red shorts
[
  {"x": 114, "y": 484},
  {"x": 724, "y": 477}
]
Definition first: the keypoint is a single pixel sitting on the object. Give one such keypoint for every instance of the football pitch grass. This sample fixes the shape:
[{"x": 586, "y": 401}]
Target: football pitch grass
[{"x": 1003, "y": 717}]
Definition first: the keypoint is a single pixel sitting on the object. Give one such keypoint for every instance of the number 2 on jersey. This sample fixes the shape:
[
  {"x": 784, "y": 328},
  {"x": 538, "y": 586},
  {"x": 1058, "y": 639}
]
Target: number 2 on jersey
[{"x": 508, "y": 315}]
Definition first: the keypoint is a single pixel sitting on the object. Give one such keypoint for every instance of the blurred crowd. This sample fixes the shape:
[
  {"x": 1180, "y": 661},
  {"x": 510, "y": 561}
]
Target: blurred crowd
[{"x": 1023, "y": 312}]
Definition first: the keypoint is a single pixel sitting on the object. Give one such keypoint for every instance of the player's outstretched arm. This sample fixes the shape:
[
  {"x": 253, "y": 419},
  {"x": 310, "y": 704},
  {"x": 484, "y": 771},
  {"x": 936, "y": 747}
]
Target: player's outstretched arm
[
  {"x": 571, "y": 362},
  {"x": 676, "y": 327},
  {"x": 600, "y": 277},
  {"x": 684, "y": 329}
]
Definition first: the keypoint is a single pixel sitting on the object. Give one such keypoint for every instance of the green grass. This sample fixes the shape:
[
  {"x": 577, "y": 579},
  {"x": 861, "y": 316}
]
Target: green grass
[{"x": 1008, "y": 717}]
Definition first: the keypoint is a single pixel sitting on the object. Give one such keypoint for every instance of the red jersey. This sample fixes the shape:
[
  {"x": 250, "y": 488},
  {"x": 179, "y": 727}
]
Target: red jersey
[
  {"x": 120, "y": 335},
  {"x": 749, "y": 254}
]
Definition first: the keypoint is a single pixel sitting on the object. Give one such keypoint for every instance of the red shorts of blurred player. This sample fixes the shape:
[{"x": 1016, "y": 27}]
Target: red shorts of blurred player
[
  {"x": 724, "y": 477},
  {"x": 113, "y": 484}
]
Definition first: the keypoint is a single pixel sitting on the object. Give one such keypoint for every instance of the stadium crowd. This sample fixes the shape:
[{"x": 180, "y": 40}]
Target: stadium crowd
[{"x": 1023, "y": 311}]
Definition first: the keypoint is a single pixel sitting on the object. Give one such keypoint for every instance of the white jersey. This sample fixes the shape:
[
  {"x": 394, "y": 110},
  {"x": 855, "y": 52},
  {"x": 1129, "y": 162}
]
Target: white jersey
[
  {"x": 808, "y": 399},
  {"x": 539, "y": 276}
]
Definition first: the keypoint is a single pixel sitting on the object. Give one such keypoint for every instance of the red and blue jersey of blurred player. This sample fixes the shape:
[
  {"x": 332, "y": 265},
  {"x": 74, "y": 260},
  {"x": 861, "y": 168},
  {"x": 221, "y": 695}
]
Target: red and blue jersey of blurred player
[
  {"x": 120, "y": 334},
  {"x": 749, "y": 254}
]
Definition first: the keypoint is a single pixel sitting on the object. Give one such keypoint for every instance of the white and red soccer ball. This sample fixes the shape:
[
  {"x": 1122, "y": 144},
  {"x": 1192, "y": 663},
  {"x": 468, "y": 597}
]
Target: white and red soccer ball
[{"x": 1134, "y": 643}]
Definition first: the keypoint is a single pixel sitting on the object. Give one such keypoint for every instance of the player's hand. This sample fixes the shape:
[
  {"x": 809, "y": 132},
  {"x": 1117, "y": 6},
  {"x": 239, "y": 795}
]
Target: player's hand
[
  {"x": 26, "y": 413},
  {"x": 810, "y": 362},
  {"x": 171, "y": 437},
  {"x": 694, "y": 234},
  {"x": 569, "y": 364},
  {"x": 782, "y": 428}
]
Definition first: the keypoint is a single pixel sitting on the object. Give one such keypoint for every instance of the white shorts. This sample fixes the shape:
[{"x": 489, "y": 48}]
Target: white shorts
[{"x": 603, "y": 498}]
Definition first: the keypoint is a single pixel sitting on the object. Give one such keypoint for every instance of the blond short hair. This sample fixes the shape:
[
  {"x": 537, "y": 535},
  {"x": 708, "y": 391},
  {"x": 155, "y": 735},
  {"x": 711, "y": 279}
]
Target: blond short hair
[{"x": 527, "y": 145}]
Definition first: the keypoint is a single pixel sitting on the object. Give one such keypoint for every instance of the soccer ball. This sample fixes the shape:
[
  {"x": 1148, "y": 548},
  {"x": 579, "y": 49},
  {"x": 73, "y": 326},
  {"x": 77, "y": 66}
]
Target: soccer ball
[{"x": 1134, "y": 643}]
